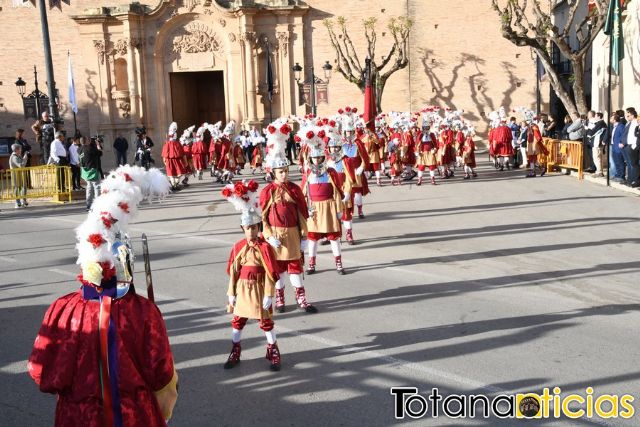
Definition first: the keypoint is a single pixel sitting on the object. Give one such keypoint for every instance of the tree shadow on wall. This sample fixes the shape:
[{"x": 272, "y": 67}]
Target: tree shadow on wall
[{"x": 437, "y": 71}]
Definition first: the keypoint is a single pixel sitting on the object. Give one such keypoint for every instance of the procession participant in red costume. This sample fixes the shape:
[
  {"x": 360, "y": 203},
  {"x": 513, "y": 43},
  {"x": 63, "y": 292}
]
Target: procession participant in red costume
[
  {"x": 238, "y": 156},
  {"x": 186, "y": 140},
  {"x": 377, "y": 158},
  {"x": 356, "y": 161},
  {"x": 459, "y": 139},
  {"x": 215, "y": 148},
  {"x": 502, "y": 141},
  {"x": 408, "y": 149},
  {"x": 322, "y": 188},
  {"x": 173, "y": 157},
  {"x": 226, "y": 161},
  {"x": 257, "y": 155},
  {"x": 253, "y": 272},
  {"x": 199, "y": 151},
  {"x": 103, "y": 349},
  {"x": 469, "y": 153},
  {"x": 284, "y": 217},
  {"x": 536, "y": 151},
  {"x": 446, "y": 152},
  {"x": 426, "y": 159}
]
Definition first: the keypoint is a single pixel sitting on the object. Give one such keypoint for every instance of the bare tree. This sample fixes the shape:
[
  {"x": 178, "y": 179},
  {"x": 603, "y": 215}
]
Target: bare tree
[
  {"x": 525, "y": 23},
  {"x": 349, "y": 64}
]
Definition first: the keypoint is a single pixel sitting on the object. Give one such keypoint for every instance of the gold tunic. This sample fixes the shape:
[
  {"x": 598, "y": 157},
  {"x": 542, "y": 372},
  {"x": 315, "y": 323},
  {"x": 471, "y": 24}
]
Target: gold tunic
[
  {"x": 250, "y": 292},
  {"x": 289, "y": 237}
]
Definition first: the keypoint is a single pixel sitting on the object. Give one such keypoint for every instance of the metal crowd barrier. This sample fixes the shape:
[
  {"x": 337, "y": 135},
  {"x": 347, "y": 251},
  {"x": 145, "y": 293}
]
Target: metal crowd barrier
[
  {"x": 36, "y": 182},
  {"x": 565, "y": 154}
]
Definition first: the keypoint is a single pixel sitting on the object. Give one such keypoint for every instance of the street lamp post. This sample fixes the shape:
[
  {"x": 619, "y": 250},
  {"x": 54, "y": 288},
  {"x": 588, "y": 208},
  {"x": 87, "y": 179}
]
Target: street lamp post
[
  {"x": 21, "y": 85},
  {"x": 53, "y": 107},
  {"x": 297, "y": 72}
]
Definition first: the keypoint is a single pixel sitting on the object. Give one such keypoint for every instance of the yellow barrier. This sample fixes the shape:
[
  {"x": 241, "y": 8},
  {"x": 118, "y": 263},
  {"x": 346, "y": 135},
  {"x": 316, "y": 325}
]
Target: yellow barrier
[
  {"x": 565, "y": 154},
  {"x": 36, "y": 182}
]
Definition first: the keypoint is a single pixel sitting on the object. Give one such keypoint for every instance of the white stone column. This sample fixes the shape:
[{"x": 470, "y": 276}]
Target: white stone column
[{"x": 249, "y": 42}]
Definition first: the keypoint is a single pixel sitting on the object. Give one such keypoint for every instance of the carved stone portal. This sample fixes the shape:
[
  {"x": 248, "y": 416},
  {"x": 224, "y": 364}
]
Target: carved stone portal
[{"x": 198, "y": 38}]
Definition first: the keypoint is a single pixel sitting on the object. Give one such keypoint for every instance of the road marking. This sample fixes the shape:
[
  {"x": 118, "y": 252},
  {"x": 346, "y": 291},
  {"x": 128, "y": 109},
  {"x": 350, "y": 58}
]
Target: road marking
[
  {"x": 63, "y": 272},
  {"x": 7, "y": 259}
]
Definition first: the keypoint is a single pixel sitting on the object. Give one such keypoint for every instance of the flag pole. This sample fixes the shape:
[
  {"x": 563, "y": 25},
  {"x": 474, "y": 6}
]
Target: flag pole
[
  {"x": 75, "y": 123},
  {"x": 609, "y": 106}
]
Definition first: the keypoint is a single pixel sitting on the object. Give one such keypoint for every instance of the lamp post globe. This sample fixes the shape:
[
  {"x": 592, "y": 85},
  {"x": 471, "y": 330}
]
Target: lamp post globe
[{"x": 22, "y": 86}]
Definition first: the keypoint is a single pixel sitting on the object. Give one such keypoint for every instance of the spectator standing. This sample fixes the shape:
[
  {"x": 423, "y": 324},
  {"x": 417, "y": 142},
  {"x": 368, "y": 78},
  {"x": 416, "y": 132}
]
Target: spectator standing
[
  {"x": 74, "y": 162},
  {"x": 44, "y": 129},
  {"x": 58, "y": 156},
  {"x": 617, "y": 158},
  {"x": 89, "y": 155},
  {"x": 120, "y": 146},
  {"x": 18, "y": 161},
  {"x": 596, "y": 138},
  {"x": 564, "y": 133},
  {"x": 247, "y": 145},
  {"x": 630, "y": 147}
]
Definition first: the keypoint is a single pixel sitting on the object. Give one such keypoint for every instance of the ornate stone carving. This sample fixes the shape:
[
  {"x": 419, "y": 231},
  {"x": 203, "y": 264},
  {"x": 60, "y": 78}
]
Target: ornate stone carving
[
  {"x": 199, "y": 38},
  {"x": 191, "y": 4},
  {"x": 232, "y": 37},
  {"x": 100, "y": 49},
  {"x": 248, "y": 37},
  {"x": 283, "y": 42},
  {"x": 135, "y": 42},
  {"x": 222, "y": 22},
  {"x": 121, "y": 46},
  {"x": 123, "y": 102}
]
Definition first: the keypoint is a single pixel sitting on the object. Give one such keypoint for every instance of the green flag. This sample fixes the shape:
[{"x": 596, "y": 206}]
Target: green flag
[{"x": 613, "y": 28}]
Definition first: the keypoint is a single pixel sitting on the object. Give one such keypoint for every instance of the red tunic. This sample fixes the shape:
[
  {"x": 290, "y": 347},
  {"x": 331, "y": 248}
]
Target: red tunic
[
  {"x": 225, "y": 160},
  {"x": 256, "y": 156},
  {"x": 445, "y": 147},
  {"x": 238, "y": 155},
  {"x": 502, "y": 138},
  {"x": 65, "y": 360},
  {"x": 199, "y": 153},
  {"x": 469, "y": 152},
  {"x": 215, "y": 147},
  {"x": 173, "y": 154},
  {"x": 296, "y": 194},
  {"x": 268, "y": 256}
]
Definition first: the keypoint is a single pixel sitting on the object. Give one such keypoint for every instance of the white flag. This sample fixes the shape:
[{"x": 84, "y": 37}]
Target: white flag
[{"x": 72, "y": 88}]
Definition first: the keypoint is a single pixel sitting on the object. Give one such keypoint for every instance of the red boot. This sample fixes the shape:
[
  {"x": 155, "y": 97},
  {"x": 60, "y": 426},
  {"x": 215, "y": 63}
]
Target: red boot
[
  {"x": 312, "y": 265},
  {"x": 301, "y": 298},
  {"x": 339, "y": 265},
  {"x": 360, "y": 213},
  {"x": 433, "y": 180},
  {"x": 280, "y": 300},
  {"x": 234, "y": 356},
  {"x": 273, "y": 355},
  {"x": 379, "y": 182},
  {"x": 419, "y": 181},
  {"x": 350, "y": 237}
]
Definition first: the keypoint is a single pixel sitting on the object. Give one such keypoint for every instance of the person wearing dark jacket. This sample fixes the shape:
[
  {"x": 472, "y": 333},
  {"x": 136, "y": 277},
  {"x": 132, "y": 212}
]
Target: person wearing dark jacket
[
  {"x": 121, "y": 145},
  {"x": 90, "y": 154},
  {"x": 617, "y": 158},
  {"x": 630, "y": 146}
]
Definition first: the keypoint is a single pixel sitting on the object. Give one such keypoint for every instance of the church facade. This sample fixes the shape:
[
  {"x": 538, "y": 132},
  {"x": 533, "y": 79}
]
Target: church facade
[{"x": 192, "y": 61}]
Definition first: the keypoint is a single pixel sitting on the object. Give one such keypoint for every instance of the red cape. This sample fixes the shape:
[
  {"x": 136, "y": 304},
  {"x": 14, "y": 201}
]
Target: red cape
[
  {"x": 268, "y": 256},
  {"x": 292, "y": 189}
]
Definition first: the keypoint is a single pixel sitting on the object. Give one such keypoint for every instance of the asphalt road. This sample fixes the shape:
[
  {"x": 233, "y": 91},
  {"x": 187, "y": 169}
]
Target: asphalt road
[{"x": 497, "y": 285}]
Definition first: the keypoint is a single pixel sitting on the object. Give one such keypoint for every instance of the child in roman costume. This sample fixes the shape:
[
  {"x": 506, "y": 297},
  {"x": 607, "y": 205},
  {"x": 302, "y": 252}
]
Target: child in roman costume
[
  {"x": 469, "y": 153},
  {"x": 253, "y": 272},
  {"x": 426, "y": 159},
  {"x": 322, "y": 188},
  {"x": 186, "y": 140},
  {"x": 284, "y": 217}
]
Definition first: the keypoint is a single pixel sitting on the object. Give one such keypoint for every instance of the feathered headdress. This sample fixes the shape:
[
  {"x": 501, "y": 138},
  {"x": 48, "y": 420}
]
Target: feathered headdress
[
  {"x": 277, "y": 135},
  {"x": 229, "y": 129},
  {"x": 172, "y": 134},
  {"x": 186, "y": 137},
  {"x": 347, "y": 118},
  {"x": 244, "y": 197},
  {"x": 99, "y": 235},
  {"x": 214, "y": 130}
]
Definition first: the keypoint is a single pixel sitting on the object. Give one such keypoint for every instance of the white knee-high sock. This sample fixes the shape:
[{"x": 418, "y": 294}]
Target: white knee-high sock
[
  {"x": 358, "y": 199},
  {"x": 335, "y": 247},
  {"x": 378, "y": 174},
  {"x": 347, "y": 224},
  {"x": 271, "y": 336},
  {"x": 313, "y": 248},
  {"x": 235, "y": 335},
  {"x": 280, "y": 282},
  {"x": 432, "y": 174},
  {"x": 296, "y": 280}
]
